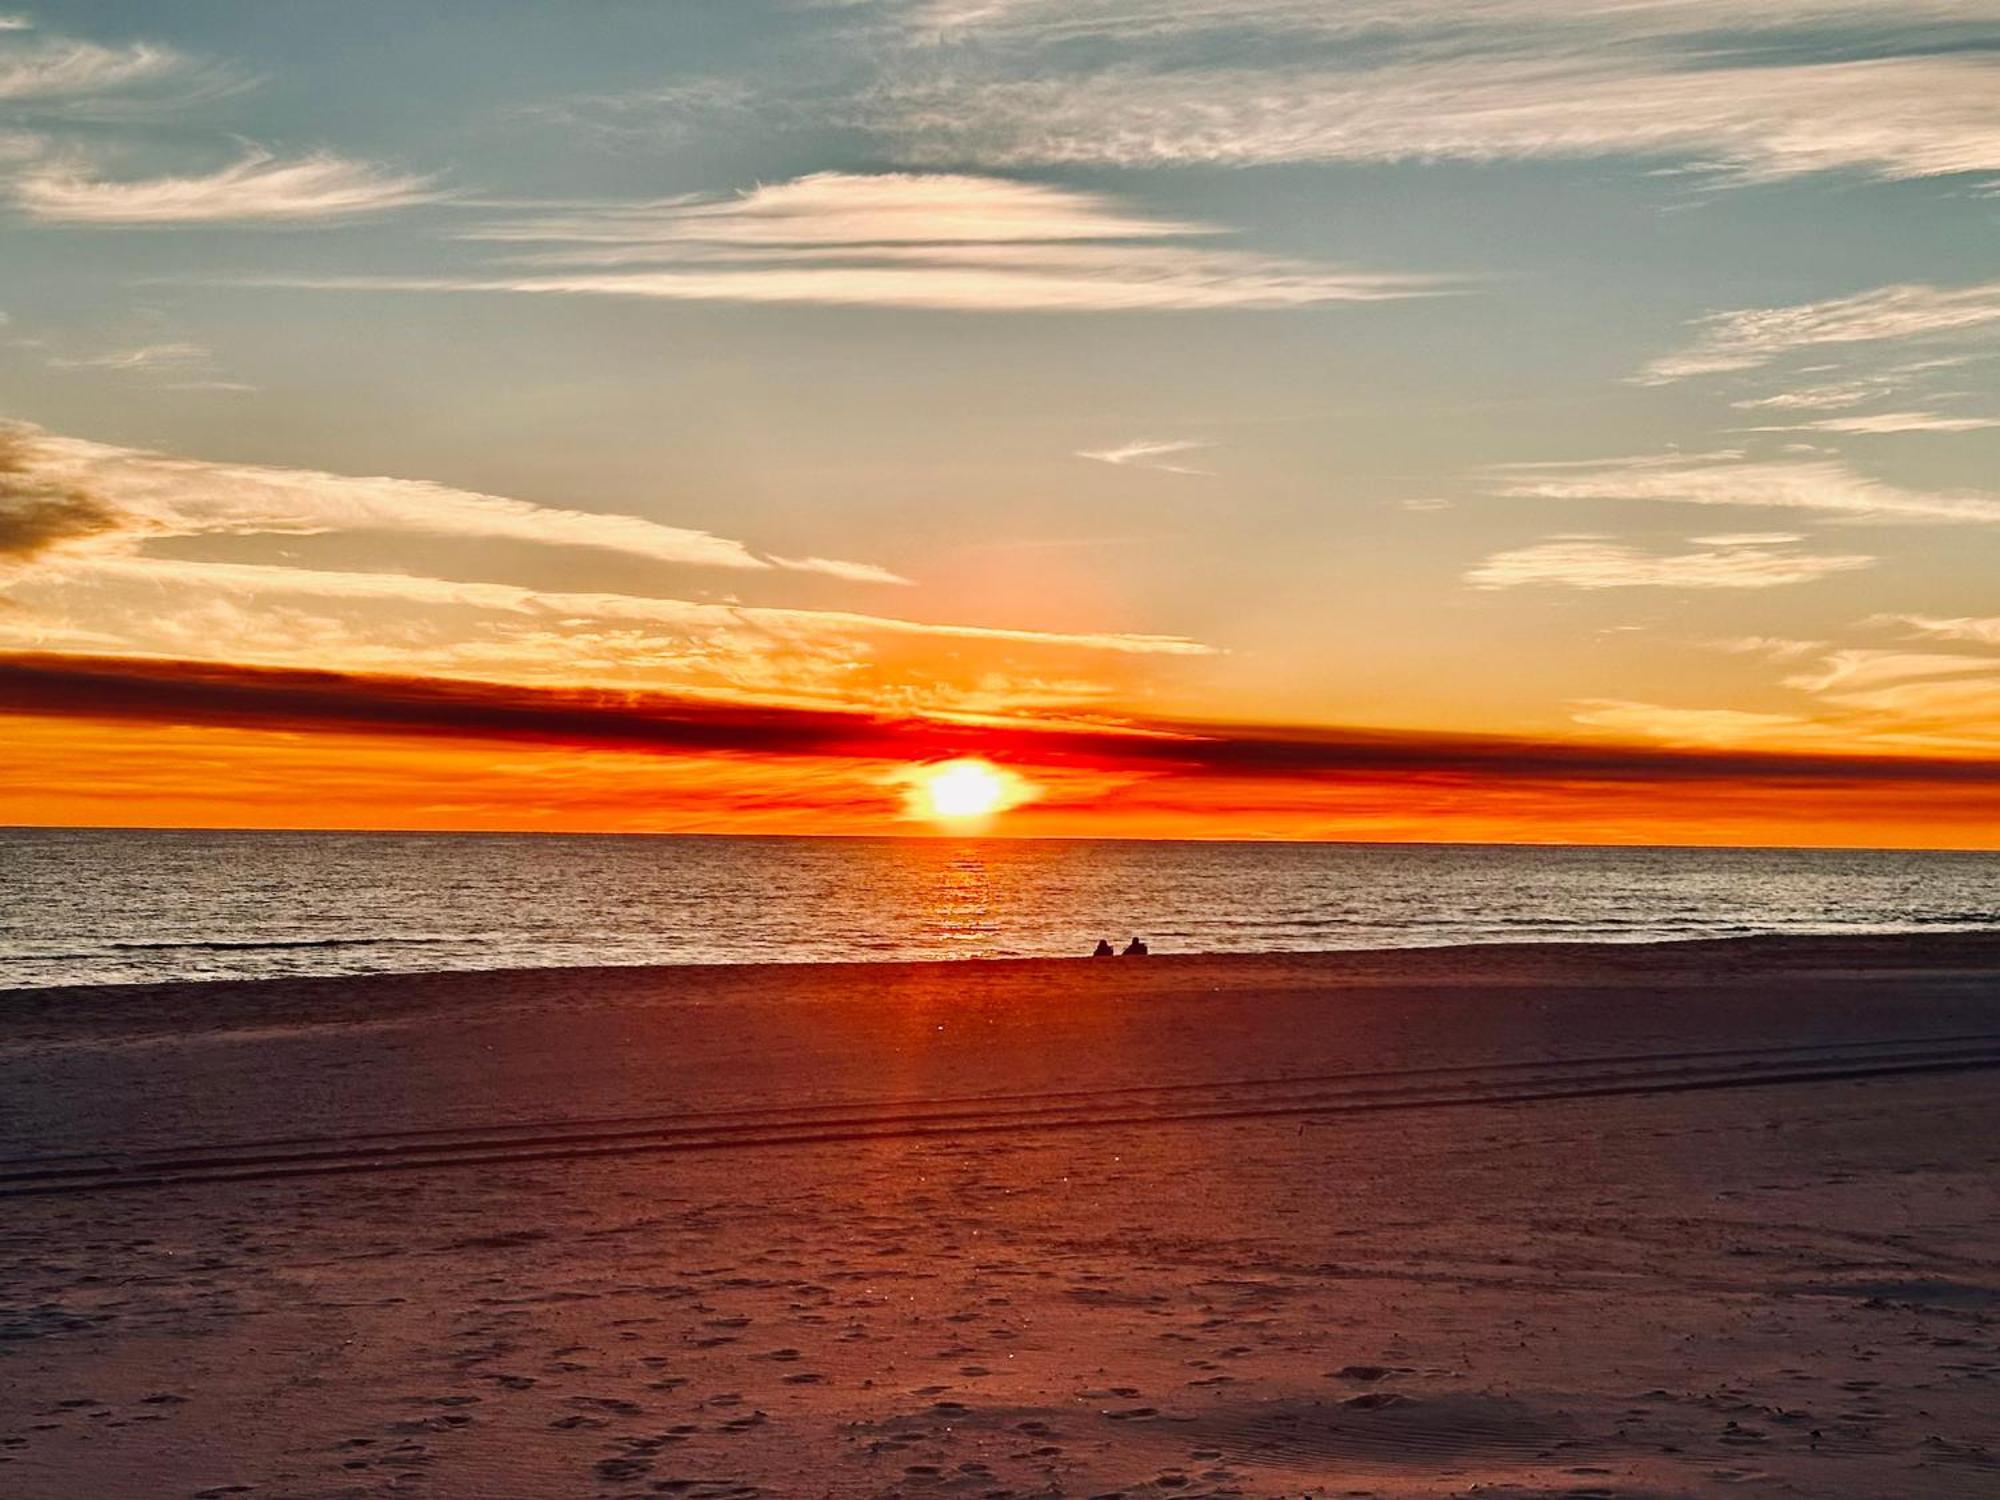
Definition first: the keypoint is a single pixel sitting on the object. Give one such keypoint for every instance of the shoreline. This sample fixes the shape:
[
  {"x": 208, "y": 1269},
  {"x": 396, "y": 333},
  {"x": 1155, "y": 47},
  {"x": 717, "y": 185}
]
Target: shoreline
[
  {"x": 1235, "y": 987},
  {"x": 1777, "y": 943},
  {"x": 1774, "y": 944}
]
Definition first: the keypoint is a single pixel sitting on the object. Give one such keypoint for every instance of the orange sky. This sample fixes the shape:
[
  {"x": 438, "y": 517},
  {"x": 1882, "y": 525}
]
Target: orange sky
[{"x": 195, "y": 764}]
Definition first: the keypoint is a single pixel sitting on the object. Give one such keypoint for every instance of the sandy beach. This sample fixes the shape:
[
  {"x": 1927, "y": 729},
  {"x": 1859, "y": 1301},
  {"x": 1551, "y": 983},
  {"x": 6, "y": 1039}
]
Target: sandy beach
[{"x": 1585, "y": 1221}]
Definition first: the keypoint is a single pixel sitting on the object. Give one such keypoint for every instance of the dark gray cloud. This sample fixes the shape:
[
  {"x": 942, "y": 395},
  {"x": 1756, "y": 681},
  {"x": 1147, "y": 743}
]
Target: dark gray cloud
[{"x": 37, "y": 514}]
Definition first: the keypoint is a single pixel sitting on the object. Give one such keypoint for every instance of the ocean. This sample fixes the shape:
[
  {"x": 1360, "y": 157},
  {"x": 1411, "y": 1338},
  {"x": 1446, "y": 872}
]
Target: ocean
[{"x": 100, "y": 906}]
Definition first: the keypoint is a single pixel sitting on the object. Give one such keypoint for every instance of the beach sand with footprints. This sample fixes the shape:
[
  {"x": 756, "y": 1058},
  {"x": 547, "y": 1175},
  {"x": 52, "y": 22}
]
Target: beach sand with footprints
[{"x": 1582, "y": 1221}]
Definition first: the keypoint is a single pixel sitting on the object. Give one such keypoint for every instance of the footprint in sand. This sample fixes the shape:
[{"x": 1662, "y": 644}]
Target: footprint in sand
[
  {"x": 622, "y": 1468},
  {"x": 1374, "y": 1400}
]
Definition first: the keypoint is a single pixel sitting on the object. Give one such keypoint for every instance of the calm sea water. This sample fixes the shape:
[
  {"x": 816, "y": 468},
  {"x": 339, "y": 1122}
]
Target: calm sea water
[{"x": 81, "y": 906}]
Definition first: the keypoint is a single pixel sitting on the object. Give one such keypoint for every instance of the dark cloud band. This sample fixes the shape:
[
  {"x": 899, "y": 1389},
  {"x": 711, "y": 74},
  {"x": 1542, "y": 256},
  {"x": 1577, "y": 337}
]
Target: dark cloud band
[{"x": 282, "y": 699}]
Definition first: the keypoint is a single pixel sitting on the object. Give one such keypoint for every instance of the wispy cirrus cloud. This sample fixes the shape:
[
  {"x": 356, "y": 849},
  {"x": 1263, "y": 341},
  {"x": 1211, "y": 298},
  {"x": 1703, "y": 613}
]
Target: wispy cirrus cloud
[
  {"x": 156, "y": 495},
  {"x": 834, "y": 567},
  {"x": 1149, "y": 453},
  {"x": 51, "y": 83},
  {"x": 142, "y": 358},
  {"x": 1886, "y": 422},
  {"x": 1852, "y": 669},
  {"x": 1596, "y": 562},
  {"x": 1771, "y": 647},
  {"x": 1984, "y": 630},
  {"x": 1827, "y": 486},
  {"x": 1833, "y": 397},
  {"x": 258, "y": 188},
  {"x": 841, "y": 211},
  {"x": 263, "y": 580},
  {"x": 175, "y": 364},
  {"x": 1889, "y": 117},
  {"x": 1708, "y": 727},
  {"x": 1046, "y": 21},
  {"x": 1912, "y": 697},
  {"x": 949, "y": 242},
  {"x": 1748, "y": 93},
  {"x": 1749, "y": 338},
  {"x": 39, "y": 69}
]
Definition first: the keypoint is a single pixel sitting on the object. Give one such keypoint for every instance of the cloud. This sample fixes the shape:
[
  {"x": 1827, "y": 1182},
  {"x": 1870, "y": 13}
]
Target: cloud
[
  {"x": 76, "y": 519},
  {"x": 39, "y": 515},
  {"x": 157, "y": 494},
  {"x": 842, "y": 211},
  {"x": 1147, "y": 453},
  {"x": 1747, "y": 539},
  {"x": 1813, "y": 398},
  {"x": 1599, "y": 563},
  {"x": 258, "y": 188},
  {"x": 1752, "y": 337},
  {"x": 1888, "y": 422},
  {"x": 1044, "y": 22},
  {"x": 1075, "y": 281},
  {"x": 1752, "y": 93},
  {"x": 212, "y": 578},
  {"x": 227, "y": 694},
  {"x": 1822, "y": 485},
  {"x": 52, "y": 70},
  {"x": 1896, "y": 117},
  {"x": 1985, "y": 631},
  {"x": 906, "y": 240},
  {"x": 147, "y": 357},
  {"x": 1776, "y": 647},
  {"x": 173, "y": 366},
  {"x": 1855, "y": 668},
  {"x": 1721, "y": 727},
  {"x": 1931, "y": 699},
  {"x": 1898, "y": 699},
  {"x": 833, "y": 567}
]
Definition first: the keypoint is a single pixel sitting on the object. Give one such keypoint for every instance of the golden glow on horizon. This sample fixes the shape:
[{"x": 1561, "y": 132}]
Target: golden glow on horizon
[
  {"x": 56, "y": 771},
  {"x": 958, "y": 792}
]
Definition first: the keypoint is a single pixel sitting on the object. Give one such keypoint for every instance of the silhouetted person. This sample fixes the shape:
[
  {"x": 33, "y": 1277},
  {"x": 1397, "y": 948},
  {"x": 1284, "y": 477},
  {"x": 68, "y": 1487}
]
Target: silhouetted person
[
  {"x": 1135, "y": 949},
  {"x": 1102, "y": 950}
]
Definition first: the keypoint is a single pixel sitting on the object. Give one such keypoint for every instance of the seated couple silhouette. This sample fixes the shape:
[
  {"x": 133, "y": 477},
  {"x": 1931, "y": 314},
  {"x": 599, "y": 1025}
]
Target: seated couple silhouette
[{"x": 1133, "y": 949}]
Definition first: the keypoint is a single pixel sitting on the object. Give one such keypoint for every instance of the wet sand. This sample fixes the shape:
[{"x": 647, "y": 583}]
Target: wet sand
[{"x": 1585, "y": 1221}]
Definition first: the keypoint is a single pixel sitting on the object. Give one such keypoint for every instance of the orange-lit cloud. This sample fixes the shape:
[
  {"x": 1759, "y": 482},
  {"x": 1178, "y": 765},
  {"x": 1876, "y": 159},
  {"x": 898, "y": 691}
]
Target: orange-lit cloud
[
  {"x": 1596, "y": 562},
  {"x": 896, "y": 239},
  {"x": 165, "y": 495},
  {"x": 1824, "y": 485},
  {"x": 1213, "y": 777},
  {"x": 258, "y": 186}
]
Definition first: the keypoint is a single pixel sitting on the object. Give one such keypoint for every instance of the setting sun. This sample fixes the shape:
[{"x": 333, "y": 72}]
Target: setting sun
[{"x": 962, "y": 790}]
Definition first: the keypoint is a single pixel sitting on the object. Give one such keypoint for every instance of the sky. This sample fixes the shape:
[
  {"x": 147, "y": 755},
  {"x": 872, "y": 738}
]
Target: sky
[{"x": 1565, "y": 420}]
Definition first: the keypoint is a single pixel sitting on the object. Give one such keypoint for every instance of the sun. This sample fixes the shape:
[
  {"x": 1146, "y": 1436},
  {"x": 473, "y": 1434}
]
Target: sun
[{"x": 962, "y": 791}]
